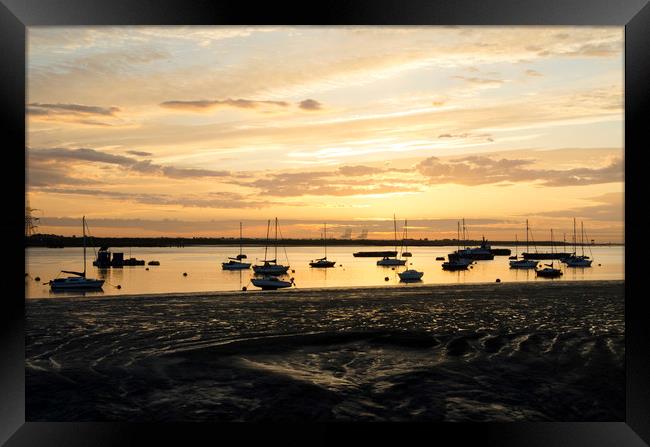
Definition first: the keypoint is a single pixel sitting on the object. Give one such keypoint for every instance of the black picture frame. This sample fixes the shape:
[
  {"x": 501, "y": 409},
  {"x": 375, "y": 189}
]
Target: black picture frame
[{"x": 16, "y": 15}]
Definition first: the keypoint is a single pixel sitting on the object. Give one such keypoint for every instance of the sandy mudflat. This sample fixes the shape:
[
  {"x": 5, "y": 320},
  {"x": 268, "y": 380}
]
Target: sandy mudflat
[{"x": 491, "y": 352}]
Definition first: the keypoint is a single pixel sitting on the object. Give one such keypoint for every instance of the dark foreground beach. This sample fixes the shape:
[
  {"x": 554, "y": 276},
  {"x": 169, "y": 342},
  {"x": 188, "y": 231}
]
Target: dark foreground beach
[{"x": 494, "y": 352}]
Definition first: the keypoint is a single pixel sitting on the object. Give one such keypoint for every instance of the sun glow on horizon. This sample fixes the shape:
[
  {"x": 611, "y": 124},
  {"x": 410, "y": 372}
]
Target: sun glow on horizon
[{"x": 186, "y": 131}]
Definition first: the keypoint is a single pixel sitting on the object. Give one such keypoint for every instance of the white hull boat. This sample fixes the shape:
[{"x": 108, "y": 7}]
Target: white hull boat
[
  {"x": 79, "y": 280},
  {"x": 271, "y": 267},
  {"x": 271, "y": 283},
  {"x": 575, "y": 260},
  {"x": 323, "y": 262},
  {"x": 236, "y": 262}
]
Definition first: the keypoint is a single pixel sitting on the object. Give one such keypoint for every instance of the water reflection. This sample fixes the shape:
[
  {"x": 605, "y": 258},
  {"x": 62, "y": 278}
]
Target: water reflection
[{"x": 204, "y": 273}]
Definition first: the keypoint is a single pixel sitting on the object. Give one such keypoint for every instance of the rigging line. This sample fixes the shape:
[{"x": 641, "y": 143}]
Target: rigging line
[
  {"x": 89, "y": 236},
  {"x": 284, "y": 246}
]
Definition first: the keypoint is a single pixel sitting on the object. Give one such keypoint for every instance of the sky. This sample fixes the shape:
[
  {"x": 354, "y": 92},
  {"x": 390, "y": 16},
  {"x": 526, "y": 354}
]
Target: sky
[{"x": 186, "y": 131}]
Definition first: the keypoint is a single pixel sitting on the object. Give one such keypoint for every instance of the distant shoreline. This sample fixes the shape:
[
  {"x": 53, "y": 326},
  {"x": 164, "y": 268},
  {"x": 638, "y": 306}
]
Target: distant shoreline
[{"x": 56, "y": 241}]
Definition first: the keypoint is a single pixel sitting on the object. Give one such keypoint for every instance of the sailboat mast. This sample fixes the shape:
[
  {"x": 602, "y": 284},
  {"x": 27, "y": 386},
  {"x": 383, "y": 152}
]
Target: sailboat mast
[
  {"x": 516, "y": 247},
  {"x": 325, "y": 238},
  {"x": 395, "y": 231},
  {"x": 464, "y": 234},
  {"x": 266, "y": 247},
  {"x": 527, "y": 249},
  {"x": 83, "y": 224},
  {"x": 240, "y": 239},
  {"x": 575, "y": 239},
  {"x": 582, "y": 236},
  {"x": 276, "y": 240},
  {"x": 458, "y": 235},
  {"x": 552, "y": 248},
  {"x": 406, "y": 234}
]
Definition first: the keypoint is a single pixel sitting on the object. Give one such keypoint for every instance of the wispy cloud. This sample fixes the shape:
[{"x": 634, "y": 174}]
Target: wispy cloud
[
  {"x": 140, "y": 153},
  {"x": 480, "y": 81},
  {"x": 218, "y": 200},
  {"x": 203, "y": 104},
  {"x": 80, "y": 109},
  {"x": 310, "y": 104},
  {"x": 483, "y": 170},
  {"x": 55, "y": 157},
  {"x": 72, "y": 113}
]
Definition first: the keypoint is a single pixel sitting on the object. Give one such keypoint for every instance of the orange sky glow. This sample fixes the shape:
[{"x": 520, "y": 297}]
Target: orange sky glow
[{"x": 186, "y": 131}]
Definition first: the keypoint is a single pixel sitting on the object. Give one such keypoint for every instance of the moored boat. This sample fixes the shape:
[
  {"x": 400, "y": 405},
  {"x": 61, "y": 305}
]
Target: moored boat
[
  {"x": 375, "y": 254},
  {"x": 574, "y": 260},
  {"x": 271, "y": 283},
  {"x": 549, "y": 271},
  {"x": 392, "y": 261},
  {"x": 235, "y": 263},
  {"x": 410, "y": 275},
  {"x": 456, "y": 261},
  {"x": 481, "y": 253},
  {"x": 271, "y": 266},
  {"x": 323, "y": 262},
  {"x": 522, "y": 263},
  {"x": 78, "y": 281}
]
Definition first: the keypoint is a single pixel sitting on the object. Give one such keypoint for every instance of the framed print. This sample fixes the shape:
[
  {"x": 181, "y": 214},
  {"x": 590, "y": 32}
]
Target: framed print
[{"x": 328, "y": 221}]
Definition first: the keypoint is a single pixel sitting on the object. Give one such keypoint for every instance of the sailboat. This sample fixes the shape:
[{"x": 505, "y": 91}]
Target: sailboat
[
  {"x": 544, "y": 255},
  {"x": 271, "y": 266},
  {"x": 78, "y": 280},
  {"x": 323, "y": 262},
  {"x": 516, "y": 255},
  {"x": 523, "y": 263},
  {"x": 482, "y": 253},
  {"x": 456, "y": 262},
  {"x": 388, "y": 261},
  {"x": 271, "y": 283},
  {"x": 406, "y": 253},
  {"x": 549, "y": 271},
  {"x": 575, "y": 260},
  {"x": 236, "y": 263}
]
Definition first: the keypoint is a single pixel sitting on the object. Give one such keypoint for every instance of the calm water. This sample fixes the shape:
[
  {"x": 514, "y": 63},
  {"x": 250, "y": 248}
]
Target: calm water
[{"x": 203, "y": 267}]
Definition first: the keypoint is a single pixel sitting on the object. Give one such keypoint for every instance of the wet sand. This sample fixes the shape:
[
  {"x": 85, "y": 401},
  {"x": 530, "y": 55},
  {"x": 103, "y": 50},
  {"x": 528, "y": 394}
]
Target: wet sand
[{"x": 490, "y": 352}]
